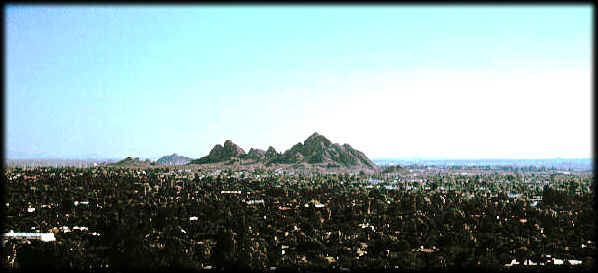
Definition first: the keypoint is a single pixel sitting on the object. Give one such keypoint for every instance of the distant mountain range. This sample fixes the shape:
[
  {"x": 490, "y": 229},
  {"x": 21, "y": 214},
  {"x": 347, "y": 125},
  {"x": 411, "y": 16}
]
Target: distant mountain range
[
  {"x": 559, "y": 163},
  {"x": 319, "y": 152},
  {"x": 173, "y": 160},
  {"x": 133, "y": 161},
  {"x": 221, "y": 153},
  {"x": 315, "y": 150}
]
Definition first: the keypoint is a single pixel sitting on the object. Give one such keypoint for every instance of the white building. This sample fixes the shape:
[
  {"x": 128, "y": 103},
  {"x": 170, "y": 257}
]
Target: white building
[{"x": 45, "y": 237}]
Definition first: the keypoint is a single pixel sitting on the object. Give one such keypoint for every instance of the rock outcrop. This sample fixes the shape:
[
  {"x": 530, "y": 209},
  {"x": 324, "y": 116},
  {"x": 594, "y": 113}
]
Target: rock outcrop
[
  {"x": 133, "y": 161},
  {"x": 173, "y": 160},
  {"x": 271, "y": 154},
  {"x": 221, "y": 153},
  {"x": 256, "y": 154},
  {"x": 315, "y": 150}
]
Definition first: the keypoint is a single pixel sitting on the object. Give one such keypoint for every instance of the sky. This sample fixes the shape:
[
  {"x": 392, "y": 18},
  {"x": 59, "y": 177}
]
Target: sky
[{"x": 392, "y": 81}]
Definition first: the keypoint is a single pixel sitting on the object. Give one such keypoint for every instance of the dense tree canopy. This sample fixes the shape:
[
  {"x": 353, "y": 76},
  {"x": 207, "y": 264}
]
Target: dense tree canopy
[{"x": 163, "y": 218}]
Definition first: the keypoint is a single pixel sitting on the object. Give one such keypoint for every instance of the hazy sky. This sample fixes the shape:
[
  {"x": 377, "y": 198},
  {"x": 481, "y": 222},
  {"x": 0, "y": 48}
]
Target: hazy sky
[{"x": 395, "y": 81}]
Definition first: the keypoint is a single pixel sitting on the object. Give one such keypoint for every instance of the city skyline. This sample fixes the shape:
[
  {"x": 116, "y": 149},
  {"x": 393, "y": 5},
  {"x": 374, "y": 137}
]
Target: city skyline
[{"x": 399, "y": 82}]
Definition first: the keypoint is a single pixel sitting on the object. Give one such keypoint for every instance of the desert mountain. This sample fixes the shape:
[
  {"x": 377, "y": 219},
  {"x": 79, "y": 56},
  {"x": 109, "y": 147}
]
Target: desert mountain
[
  {"x": 315, "y": 150},
  {"x": 271, "y": 154},
  {"x": 133, "y": 161},
  {"x": 256, "y": 154},
  {"x": 173, "y": 159},
  {"x": 221, "y": 153}
]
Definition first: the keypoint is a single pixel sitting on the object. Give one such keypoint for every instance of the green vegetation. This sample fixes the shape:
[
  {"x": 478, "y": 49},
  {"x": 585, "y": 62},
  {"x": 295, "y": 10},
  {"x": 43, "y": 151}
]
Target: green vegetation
[{"x": 424, "y": 218}]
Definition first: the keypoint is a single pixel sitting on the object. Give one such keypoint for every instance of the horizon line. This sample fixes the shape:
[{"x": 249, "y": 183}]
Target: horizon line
[{"x": 372, "y": 158}]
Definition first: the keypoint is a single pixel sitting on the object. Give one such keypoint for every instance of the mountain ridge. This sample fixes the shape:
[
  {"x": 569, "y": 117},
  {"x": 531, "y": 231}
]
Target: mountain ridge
[
  {"x": 173, "y": 159},
  {"x": 315, "y": 150}
]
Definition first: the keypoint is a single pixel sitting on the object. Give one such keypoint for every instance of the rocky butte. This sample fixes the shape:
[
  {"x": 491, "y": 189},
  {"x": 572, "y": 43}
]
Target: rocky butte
[
  {"x": 133, "y": 162},
  {"x": 315, "y": 152},
  {"x": 230, "y": 151}
]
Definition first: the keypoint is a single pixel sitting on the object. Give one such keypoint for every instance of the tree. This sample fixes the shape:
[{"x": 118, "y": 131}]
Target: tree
[{"x": 224, "y": 252}]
